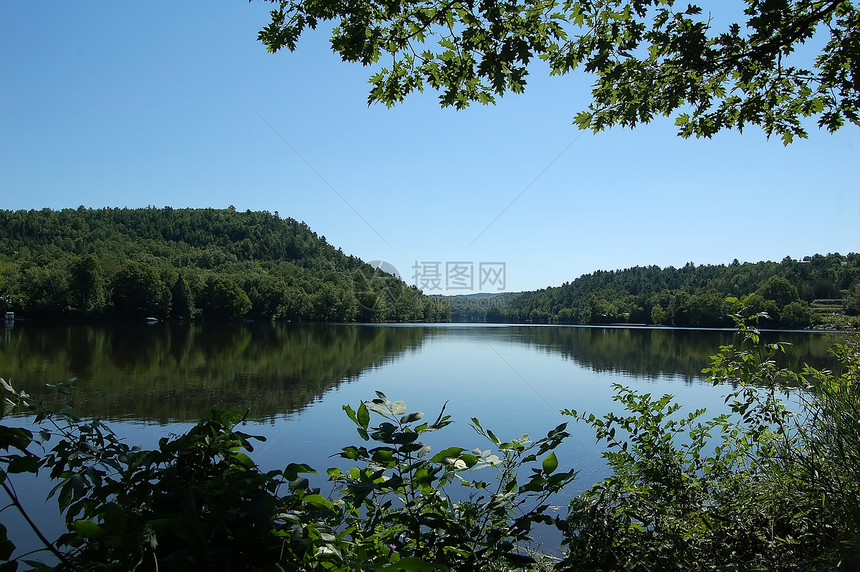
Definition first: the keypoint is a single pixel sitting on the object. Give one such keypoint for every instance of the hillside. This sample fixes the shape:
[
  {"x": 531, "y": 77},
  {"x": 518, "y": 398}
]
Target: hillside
[
  {"x": 190, "y": 263},
  {"x": 818, "y": 290}
]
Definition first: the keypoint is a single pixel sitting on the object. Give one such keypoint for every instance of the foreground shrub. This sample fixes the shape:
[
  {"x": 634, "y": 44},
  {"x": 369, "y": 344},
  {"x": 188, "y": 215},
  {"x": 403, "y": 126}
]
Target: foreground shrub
[
  {"x": 399, "y": 499},
  {"x": 198, "y": 501},
  {"x": 762, "y": 487}
]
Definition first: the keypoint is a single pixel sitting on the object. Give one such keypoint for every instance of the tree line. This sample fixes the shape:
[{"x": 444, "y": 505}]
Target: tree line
[
  {"x": 817, "y": 290},
  {"x": 216, "y": 264}
]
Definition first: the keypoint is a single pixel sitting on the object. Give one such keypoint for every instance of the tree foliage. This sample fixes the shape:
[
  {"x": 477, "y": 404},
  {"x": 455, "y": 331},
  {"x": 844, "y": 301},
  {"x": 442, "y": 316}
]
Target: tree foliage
[
  {"x": 773, "y": 63},
  {"x": 188, "y": 263},
  {"x": 694, "y": 296},
  {"x": 138, "y": 291},
  {"x": 763, "y": 487},
  {"x": 199, "y": 501},
  {"x": 223, "y": 298}
]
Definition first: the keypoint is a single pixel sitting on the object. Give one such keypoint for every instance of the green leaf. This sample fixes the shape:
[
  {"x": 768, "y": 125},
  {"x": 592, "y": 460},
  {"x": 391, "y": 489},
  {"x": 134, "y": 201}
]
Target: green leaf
[
  {"x": 23, "y": 464},
  {"x": 318, "y": 501},
  {"x": 550, "y": 463},
  {"x": 582, "y": 120},
  {"x": 450, "y": 452},
  {"x": 412, "y": 417},
  {"x": 14, "y": 437},
  {"x": 441, "y": 421},
  {"x": 398, "y": 407},
  {"x": 299, "y": 483},
  {"x": 383, "y": 456},
  {"x": 363, "y": 416},
  {"x": 294, "y": 469},
  {"x": 350, "y": 453},
  {"x": 6, "y": 545},
  {"x": 350, "y": 412},
  {"x": 378, "y": 408},
  {"x": 87, "y": 529},
  {"x": 400, "y": 438}
]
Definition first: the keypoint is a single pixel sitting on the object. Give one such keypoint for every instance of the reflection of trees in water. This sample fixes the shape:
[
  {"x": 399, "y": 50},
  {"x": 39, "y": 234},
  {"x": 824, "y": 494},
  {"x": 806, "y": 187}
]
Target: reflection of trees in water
[
  {"x": 652, "y": 353},
  {"x": 180, "y": 372}
]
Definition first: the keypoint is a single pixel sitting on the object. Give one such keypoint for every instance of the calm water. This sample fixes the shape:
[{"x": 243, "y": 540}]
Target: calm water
[{"x": 149, "y": 381}]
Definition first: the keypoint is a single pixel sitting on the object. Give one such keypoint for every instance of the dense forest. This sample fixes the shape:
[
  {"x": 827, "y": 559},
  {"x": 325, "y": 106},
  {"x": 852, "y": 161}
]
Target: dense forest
[
  {"x": 191, "y": 263},
  {"x": 818, "y": 290},
  {"x": 225, "y": 265}
]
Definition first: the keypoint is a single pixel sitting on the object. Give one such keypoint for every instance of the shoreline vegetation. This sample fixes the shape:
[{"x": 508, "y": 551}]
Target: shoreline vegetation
[
  {"x": 765, "y": 486},
  {"x": 816, "y": 292},
  {"x": 117, "y": 264}
]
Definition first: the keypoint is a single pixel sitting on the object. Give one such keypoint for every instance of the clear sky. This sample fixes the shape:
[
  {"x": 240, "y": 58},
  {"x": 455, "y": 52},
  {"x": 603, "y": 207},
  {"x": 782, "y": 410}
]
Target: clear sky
[{"x": 119, "y": 104}]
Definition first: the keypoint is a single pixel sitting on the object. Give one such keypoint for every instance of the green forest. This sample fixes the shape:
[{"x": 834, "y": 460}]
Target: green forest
[
  {"x": 220, "y": 264},
  {"x": 818, "y": 290},
  {"x": 215, "y": 264}
]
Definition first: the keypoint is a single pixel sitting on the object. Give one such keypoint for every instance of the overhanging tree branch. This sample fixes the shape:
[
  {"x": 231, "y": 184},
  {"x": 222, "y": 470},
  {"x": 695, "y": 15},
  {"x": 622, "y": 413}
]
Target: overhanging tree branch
[{"x": 648, "y": 58}]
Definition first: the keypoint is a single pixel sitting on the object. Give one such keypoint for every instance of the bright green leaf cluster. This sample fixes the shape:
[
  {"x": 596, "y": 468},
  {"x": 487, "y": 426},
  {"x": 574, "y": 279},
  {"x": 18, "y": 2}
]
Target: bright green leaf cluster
[{"x": 399, "y": 507}]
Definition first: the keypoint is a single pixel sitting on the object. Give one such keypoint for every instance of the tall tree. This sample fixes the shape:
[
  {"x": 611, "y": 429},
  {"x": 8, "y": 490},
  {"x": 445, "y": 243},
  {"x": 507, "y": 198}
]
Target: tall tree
[
  {"x": 139, "y": 292},
  {"x": 779, "y": 290},
  {"x": 650, "y": 57},
  {"x": 182, "y": 299},
  {"x": 85, "y": 283},
  {"x": 223, "y": 299}
]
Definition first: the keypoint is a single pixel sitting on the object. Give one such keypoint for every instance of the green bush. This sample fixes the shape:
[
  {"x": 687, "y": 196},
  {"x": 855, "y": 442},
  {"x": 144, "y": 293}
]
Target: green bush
[
  {"x": 758, "y": 488},
  {"x": 398, "y": 510},
  {"x": 198, "y": 501},
  {"x": 796, "y": 315}
]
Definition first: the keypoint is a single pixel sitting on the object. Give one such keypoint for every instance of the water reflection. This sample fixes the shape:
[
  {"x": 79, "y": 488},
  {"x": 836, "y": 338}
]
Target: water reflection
[
  {"x": 169, "y": 373},
  {"x": 650, "y": 353},
  {"x": 173, "y": 373}
]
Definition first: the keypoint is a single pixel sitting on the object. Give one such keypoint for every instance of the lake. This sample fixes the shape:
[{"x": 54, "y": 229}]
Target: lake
[{"x": 150, "y": 381}]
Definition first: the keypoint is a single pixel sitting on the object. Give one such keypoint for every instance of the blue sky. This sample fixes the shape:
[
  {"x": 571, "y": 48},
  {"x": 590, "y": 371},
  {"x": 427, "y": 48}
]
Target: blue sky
[{"x": 127, "y": 105}]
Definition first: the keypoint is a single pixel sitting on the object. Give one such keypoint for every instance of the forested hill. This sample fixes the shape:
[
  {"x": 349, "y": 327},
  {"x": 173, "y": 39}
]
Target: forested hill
[
  {"x": 190, "y": 263},
  {"x": 795, "y": 294}
]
